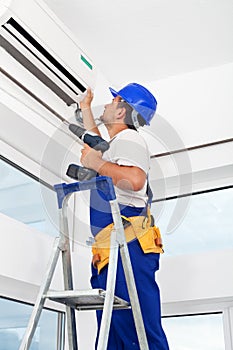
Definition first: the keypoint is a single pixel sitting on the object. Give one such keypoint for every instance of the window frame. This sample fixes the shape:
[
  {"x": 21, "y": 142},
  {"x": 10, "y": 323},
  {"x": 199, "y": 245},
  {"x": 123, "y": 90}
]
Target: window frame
[{"x": 60, "y": 320}]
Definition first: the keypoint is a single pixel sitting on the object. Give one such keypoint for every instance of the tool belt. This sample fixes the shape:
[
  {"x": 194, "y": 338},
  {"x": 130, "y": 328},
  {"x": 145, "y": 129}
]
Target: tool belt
[{"x": 141, "y": 228}]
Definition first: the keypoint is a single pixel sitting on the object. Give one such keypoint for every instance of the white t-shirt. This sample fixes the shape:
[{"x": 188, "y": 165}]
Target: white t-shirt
[{"x": 130, "y": 149}]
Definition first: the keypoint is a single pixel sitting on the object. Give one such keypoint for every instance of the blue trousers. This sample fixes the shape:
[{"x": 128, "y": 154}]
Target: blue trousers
[{"x": 123, "y": 334}]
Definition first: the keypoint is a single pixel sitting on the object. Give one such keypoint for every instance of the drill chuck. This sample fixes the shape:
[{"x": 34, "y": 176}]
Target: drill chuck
[{"x": 93, "y": 140}]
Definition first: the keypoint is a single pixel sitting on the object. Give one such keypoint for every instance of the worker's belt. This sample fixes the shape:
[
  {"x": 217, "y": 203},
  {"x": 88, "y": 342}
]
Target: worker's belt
[{"x": 136, "y": 227}]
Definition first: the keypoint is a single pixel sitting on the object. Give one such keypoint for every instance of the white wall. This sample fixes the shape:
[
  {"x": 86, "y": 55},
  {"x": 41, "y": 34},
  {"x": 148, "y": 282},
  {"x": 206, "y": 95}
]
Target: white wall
[
  {"x": 198, "y": 105},
  {"x": 193, "y": 109},
  {"x": 196, "y": 282}
]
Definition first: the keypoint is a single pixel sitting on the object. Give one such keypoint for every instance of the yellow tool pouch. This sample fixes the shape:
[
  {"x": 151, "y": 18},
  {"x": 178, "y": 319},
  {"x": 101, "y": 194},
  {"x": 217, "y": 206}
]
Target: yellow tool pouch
[{"x": 137, "y": 227}]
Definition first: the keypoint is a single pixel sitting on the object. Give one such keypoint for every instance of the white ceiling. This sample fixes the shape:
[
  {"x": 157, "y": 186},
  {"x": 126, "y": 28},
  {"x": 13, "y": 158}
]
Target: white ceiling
[{"x": 144, "y": 41}]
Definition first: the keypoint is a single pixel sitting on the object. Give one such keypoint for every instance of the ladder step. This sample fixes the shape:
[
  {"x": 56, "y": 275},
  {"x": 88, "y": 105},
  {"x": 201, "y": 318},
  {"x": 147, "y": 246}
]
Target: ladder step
[{"x": 92, "y": 299}]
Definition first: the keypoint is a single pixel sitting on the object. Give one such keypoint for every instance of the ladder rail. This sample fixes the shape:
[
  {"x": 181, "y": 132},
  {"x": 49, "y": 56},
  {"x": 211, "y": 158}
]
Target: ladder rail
[
  {"x": 129, "y": 276},
  {"x": 110, "y": 289},
  {"x": 67, "y": 273}
]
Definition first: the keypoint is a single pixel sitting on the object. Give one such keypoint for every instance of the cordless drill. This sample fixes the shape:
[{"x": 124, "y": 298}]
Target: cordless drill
[{"x": 78, "y": 172}]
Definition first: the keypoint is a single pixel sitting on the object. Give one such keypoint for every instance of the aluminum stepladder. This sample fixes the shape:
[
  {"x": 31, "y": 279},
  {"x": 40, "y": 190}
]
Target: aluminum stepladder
[{"x": 93, "y": 299}]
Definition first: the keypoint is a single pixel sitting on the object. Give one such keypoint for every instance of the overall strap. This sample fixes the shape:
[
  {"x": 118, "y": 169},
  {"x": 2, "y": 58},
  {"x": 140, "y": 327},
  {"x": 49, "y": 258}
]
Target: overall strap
[{"x": 149, "y": 194}]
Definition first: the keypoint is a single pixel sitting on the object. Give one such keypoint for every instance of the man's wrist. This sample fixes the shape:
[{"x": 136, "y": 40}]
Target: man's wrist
[
  {"x": 85, "y": 107},
  {"x": 99, "y": 165}
]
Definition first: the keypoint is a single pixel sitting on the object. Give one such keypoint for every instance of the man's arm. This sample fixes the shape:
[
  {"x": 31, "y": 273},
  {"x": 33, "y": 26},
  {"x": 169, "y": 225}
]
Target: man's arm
[
  {"x": 125, "y": 177},
  {"x": 88, "y": 118}
]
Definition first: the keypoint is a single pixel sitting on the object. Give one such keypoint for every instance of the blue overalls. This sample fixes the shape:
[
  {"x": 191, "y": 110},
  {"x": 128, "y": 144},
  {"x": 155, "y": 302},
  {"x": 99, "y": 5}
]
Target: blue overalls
[{"x": 122, "y": 335}]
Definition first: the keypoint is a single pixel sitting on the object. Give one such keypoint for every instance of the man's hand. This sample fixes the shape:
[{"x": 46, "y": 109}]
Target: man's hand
[
  {"x": 86, "y": 102},
  {"x": 88, "y": 118},
  {"x": 91, "y": 158},
  {"x": 125, "y": 177}
]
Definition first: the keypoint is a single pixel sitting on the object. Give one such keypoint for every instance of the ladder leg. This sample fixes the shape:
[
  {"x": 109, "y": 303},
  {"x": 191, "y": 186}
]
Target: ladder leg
[
  {"x": 67, "y": 273},
  {"x": 34, "y": 319},
  {"x": 133, "y": 295},
  {"x": 110, "y": 289},
  {"x": 126, "y": 262}
]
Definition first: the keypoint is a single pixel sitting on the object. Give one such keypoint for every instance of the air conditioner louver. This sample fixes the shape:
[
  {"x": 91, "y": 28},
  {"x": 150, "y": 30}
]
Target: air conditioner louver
[{"x": 66, "y": 72}]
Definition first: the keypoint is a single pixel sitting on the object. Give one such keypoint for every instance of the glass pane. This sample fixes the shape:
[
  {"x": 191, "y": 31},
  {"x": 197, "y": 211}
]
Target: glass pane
[
  {"x": 14, "y": 318},
  {"x": 26, "y": 200},
  {"x": 199, "y": 223},
  {"x": 199, "y": 332}
]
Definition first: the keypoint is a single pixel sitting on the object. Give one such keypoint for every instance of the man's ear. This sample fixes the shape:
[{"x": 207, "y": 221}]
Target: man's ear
[{"x": 121, "y": 112}]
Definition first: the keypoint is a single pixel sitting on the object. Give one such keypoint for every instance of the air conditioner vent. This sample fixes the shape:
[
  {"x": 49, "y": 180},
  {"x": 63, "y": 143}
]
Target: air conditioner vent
[
  {"x": 34, "y": 70},
  {"x": 42, "y": 54},
  {"x": 45, "y": 53},
  {"x": 15, "y": 30}
]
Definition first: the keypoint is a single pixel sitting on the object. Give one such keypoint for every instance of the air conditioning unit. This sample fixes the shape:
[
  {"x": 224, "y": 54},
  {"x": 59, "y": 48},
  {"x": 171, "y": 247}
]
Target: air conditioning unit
[{"x": 38, "y": 40}]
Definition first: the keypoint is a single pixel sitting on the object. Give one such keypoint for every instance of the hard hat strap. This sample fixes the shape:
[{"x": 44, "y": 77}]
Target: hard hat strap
[{"x": 135, "y": 118}]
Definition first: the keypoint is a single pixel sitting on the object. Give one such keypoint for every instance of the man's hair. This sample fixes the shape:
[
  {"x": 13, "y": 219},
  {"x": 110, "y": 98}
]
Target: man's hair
[{"x": 128, "y": 116}]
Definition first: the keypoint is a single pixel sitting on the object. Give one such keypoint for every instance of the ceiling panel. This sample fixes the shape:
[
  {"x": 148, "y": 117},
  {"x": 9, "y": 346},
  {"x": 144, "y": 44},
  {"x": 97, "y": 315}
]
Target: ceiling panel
[{"x": 150, "y": 40}]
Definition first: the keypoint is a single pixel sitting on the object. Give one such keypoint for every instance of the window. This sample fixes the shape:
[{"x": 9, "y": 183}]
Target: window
[
  {"x": 204, "y": 222},
  {"x": 14, "y": 318},
  {"x": 197, "y": 332},
  {"x": 23, "y": 199}
]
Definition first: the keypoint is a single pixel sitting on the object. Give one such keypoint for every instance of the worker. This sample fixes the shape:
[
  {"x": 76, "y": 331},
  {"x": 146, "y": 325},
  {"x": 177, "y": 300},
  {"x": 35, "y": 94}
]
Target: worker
[{"x": 127, "y": 162}]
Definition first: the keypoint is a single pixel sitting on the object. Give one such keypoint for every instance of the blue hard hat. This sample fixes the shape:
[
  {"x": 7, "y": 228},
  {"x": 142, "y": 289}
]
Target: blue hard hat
[{"x": 138, "y": 97}]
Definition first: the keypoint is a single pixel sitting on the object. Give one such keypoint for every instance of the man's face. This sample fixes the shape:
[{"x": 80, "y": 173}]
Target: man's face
[{"x": 110, "y": 111}]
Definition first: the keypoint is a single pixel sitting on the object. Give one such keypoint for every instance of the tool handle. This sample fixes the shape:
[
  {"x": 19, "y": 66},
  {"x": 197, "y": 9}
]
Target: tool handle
[
  {"x": 80, "y": 173},
  {"x": 96, "y": 142}
]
